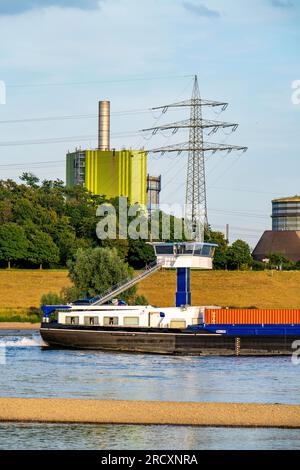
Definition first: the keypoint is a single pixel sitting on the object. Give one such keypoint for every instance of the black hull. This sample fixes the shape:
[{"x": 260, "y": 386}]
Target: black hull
[{"x": 172, "y": 342}]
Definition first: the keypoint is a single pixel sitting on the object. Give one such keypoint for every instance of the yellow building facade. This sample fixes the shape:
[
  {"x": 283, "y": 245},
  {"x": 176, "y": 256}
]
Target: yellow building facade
[{"x": 111, "y": 173}]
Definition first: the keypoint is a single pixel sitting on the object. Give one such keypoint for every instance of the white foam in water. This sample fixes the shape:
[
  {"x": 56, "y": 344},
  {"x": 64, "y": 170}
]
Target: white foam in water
[{"x": 22, "y": 342}]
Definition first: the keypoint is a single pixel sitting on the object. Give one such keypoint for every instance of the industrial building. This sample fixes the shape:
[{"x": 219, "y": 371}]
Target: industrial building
[
  {"x": 153, "y": 192},
  {"x": 110, "y": 172},
  {"x": 286, "y": 214},
  {"x": 284, "y": 238}
]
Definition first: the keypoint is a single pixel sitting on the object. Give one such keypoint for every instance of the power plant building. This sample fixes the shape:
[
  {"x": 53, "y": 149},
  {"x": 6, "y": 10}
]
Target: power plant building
[
  {"x": 284, "y": 238},
  {"x": 109, "y": 172}
]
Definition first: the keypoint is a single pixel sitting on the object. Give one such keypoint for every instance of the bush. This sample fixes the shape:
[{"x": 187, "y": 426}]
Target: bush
[
  {"x": 51, "y": 298},
  {"x": 141, "y": 300},
  {"x": 297, "y": 266},
  {"x": 258, "y": 266},
  {"x": 70, "y": 294}
]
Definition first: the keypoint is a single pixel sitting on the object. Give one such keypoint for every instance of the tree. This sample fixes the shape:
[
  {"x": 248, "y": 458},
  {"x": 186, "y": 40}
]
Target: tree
[
  {"x": 279, "y": 261},
  {"x": 30, "y": 179},
  {"x": 13, "y": 243},
  {"x": 140, "y": 254},
  {"x": 122, "y": 247},
  {"x": 23, "y": 210},
  {"x": 64, "y": 237},
  {"x": 239, "y": 255},
  {"x": 220, "y": 258},
  {"x": 42, "y": 248},
  {"x": 6, "y": 211},
  {"x": 94, "y": 271}
]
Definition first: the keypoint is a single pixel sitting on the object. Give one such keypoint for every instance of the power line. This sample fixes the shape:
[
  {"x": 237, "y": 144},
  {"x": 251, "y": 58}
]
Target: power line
[
  {"x": 94, "y": 82},
  {"x": 56, "y": 140},
  {"x": 243, "y": 229},
  {"x": 254, "y": 215},
  {"x": 31, "y": 163},
  {"x": 242, "y": 190},
  {"x": 73, "y": 116}
]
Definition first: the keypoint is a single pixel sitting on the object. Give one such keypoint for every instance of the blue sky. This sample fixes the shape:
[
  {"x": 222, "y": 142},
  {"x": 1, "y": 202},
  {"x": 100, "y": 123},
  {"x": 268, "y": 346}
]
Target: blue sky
[{"x": 58, "y": 58}]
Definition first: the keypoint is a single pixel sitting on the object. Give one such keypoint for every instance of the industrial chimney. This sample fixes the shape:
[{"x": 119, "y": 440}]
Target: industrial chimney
[{"x": 104, "y": 125}]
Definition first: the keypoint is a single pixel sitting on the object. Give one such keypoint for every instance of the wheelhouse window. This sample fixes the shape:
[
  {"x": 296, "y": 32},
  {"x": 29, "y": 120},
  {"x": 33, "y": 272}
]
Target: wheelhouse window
[
  {"x": 91, "y": 321},
  {"x": 110, "y": 321},
  {"x": 131, "y": 321},
  {"x": 72, "y": 320},
  {"x": 164, "y": 249}
]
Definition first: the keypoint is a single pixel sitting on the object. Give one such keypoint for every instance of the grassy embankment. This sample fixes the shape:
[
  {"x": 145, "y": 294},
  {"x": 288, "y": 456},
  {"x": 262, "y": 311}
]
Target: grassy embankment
[{"x": 20, "y": 291}]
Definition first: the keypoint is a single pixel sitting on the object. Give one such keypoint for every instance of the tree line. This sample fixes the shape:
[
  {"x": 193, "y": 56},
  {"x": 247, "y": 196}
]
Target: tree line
[{"x": 44, "y": 224}]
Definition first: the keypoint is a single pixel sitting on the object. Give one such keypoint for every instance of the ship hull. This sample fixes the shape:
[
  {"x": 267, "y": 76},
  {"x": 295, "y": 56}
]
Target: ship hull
[{"x": 170, "y": 342}]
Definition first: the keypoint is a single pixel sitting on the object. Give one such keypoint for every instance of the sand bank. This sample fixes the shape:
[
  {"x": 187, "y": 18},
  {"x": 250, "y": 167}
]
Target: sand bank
[
  {"x": 141, "y": 412},
  {"x": 19, "y": 326}
]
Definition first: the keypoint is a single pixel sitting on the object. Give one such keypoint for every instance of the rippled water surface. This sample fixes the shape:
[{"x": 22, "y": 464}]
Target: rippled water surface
[
  {"x": 87, "y": 437},
  {"x": 30, "y": 370}
]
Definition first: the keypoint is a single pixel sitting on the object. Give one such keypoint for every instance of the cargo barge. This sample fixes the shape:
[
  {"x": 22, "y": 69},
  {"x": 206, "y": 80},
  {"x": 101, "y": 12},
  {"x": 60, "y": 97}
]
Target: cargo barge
[
  {"x": 180, "y": 330},
  {"x": 175, "y": 331}
]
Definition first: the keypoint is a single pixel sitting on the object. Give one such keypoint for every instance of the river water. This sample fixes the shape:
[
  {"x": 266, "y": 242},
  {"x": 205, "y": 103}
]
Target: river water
[{"x": 30, "y": 370}]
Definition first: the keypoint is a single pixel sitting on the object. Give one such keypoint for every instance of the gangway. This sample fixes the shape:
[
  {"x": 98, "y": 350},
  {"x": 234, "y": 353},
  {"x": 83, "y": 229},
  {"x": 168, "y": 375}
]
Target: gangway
[{"x": 123, "y": 286}]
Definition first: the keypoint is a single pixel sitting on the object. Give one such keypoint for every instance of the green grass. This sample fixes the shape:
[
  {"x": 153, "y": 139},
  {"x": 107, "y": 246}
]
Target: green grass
[{"x": 20, "y": 315}]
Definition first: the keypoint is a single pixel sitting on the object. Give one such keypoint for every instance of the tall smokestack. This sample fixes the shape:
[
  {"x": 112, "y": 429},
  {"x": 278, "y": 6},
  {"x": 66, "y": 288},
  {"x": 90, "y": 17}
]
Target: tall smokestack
[{"x": 104, "y": 125}]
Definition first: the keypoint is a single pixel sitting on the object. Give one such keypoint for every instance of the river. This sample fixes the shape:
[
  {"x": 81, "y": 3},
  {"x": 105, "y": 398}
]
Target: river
[{"x": 28, "y": 369}]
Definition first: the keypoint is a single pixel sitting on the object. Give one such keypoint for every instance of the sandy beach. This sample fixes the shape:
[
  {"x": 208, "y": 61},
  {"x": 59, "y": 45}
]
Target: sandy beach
[
  {"x": 19, "y": 326},
  {"x": 148, "y": 412}
]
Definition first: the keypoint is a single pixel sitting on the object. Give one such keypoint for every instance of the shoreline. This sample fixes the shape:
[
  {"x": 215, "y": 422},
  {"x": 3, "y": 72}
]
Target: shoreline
[
  {"x": 19, "y": 326},
  {"x": 87, "y": 411}
]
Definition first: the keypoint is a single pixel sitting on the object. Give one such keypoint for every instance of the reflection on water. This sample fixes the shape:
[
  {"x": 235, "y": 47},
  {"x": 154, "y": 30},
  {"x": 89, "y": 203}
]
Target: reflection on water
[
  {"x": 34, "y": 371},
  {"x": 85, "y": 437}
]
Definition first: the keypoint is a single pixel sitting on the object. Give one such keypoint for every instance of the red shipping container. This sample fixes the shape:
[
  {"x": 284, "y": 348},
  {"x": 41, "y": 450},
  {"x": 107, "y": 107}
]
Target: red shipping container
[{"x": 264, "y": 316}]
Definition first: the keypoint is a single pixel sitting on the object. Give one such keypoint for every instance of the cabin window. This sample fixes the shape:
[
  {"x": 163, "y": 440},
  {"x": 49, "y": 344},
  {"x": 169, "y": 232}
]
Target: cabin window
[
  {"x": 91, "y": 320},
  {"x": 72, "y": 320},
  {"x": 131, "y": 321},
  {"x": 178, "y": 324},
  {"x": 110, "y": 321}
]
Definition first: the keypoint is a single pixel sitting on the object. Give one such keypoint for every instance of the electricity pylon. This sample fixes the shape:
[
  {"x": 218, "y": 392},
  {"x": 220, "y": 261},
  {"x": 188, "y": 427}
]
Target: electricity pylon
[{"x": 196, "y": 204}]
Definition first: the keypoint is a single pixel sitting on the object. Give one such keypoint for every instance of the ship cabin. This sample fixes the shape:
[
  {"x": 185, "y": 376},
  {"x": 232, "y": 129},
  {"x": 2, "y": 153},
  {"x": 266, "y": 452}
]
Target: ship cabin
[{"x": 127, "y": 316}]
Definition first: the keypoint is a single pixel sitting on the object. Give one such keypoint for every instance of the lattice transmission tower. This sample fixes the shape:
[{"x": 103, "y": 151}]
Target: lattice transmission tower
[{"x": 195, "y": 201}]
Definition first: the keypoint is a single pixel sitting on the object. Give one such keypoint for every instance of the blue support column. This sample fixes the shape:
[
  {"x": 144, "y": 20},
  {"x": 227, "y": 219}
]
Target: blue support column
[{"x": 183, "y": 294}]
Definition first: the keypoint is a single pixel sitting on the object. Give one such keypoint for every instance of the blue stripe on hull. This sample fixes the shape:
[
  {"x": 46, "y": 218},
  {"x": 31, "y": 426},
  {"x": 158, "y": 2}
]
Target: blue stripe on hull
[{"x": 252, "y": 330}]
